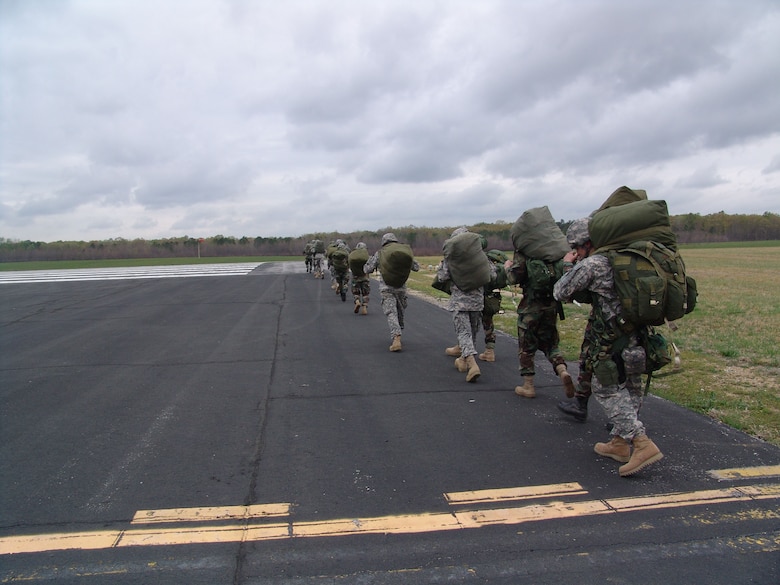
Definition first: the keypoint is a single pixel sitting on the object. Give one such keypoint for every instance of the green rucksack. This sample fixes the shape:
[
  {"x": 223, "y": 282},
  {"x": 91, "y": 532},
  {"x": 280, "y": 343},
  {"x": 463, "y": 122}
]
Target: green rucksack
[
  {"x": 651, "y": 282},
  {"x": 542, "y": 276}
]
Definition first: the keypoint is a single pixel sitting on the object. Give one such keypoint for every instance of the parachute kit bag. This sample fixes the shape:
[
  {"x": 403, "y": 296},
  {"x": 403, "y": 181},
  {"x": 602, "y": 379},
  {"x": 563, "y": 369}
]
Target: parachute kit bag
[
  {"x": 646, "y": 219},
  {"x": 319, "y": 246},
  {"x": 395, "y": 263},
  {"x": 468, "y": 264},
  {"x": 357, "y": 259},
  {"x": 536, "y": 235},
  {"x": 340, "y": 259}
]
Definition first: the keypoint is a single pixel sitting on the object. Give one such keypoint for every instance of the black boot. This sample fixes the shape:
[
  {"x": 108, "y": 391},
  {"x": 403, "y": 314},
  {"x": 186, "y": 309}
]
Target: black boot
[{"x": 577, "y": 407}]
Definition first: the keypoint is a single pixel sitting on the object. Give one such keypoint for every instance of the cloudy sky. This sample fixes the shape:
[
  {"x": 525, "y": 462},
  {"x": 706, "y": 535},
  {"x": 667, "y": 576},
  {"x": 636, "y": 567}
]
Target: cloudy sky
[{"x": 165, "y": 118}]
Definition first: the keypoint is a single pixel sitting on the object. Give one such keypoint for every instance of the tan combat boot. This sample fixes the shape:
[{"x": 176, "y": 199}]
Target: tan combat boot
[
  {"x": 645, "y": 453},
  {"x": 489, "y": 355},
  {"x": 357, "y": 306},
  {"x": 568, "y": 383},
  {"x": 461, "y": 365},
  {"x": 454, "y": 351},
  {"x": 473, "y": 371},
  {"x": 364, "y": 309},
  {"x": 618, "y": 449},
  {"x": 396, "y": 345},
  {"x": 527, "y": 390}
]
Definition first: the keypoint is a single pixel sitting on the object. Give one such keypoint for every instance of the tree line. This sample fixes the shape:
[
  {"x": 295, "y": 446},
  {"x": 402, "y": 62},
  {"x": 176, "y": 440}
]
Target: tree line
[{"x": 426, "y": 241}]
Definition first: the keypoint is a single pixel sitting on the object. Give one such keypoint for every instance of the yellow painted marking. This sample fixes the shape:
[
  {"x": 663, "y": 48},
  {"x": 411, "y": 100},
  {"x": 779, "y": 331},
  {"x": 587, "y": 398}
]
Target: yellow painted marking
[
  {"x": 208, "y": 535},
  {"x": 398, "y": 524},
  {"x": 210, "y": 514},
  {"x": 516, "y": 493},
  {"x": 746, "y": 472},
  {"x": 96, "y": 540},
  {"x": 404, "y": 524},
  {"x": 531, "y": 513}
]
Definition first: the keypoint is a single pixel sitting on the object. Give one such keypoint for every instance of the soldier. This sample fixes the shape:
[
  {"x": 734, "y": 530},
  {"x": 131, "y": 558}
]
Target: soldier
[
  {"x": 537, "y": 325},
  {"x": 611, "y": 351},
  {"x": 361, "y": 283},
  {"x": 338, "y": 259},
  {"x": 394, "y": 299},
  {"x": 466, "y": 307}
]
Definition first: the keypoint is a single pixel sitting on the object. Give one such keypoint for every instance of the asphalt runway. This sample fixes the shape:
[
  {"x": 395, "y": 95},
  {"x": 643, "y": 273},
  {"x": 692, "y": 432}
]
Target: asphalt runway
[{"x": 249, "y": 428}]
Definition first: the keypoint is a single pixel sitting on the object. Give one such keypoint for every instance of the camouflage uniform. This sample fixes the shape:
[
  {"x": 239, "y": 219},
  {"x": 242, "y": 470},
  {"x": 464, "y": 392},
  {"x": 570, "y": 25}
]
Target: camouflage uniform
[
  {"x": 339, "y": 277},
  {"x": 614, "y": 356},
  {"x": 361, "y": 286},
  {"x": 537, "y": 323},
  {"x": 394, "y": 299},
  {"x": 466, "y": 306}
]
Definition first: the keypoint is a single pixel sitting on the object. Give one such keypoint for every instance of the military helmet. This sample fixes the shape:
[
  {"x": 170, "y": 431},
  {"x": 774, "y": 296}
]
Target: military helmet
[{"x": 578, "y": 232}]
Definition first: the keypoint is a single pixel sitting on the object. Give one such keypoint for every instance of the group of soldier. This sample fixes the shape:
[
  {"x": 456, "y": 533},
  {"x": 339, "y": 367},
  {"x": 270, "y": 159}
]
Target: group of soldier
[{"x": 611, "y": 360}]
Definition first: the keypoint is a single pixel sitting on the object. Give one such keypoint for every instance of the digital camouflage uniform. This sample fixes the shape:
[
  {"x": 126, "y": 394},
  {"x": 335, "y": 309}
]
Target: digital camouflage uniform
[
  {"x": 394, "y": 299},
  {"x": 466, "y": 307},
  {"x": 616, "y": 359}
]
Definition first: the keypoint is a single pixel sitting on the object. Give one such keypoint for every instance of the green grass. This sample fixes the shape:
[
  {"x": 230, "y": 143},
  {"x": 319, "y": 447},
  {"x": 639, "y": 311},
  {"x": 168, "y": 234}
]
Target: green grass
[{"x": 729, "y": 344}]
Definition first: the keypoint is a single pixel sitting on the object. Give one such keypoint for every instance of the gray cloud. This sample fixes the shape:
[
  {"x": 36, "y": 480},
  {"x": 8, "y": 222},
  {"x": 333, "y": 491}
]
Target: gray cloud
[{"x": 283, "y": 118}]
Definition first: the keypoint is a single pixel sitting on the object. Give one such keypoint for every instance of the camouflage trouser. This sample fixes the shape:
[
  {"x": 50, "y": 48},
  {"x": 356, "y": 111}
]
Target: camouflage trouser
[
  {"x": 490, "y": 330},
  {"x": 393, "y": 304},
  {"x": 537, "y": 330},
  {"x": 617, "y": 383},
  {"x": 583, "y": 389},
  {"x": 360, "y": 290},
  {"x": 466, "y": 328},
  {"x": 340, "y": 277}
]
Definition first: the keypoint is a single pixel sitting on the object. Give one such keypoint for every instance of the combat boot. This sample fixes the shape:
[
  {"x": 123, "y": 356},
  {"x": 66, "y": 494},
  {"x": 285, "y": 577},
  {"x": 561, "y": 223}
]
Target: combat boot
[
  {"x": 489, "y": 355},
  {"x": 645, "y": 453},
  {"x": 527, "y": 390},
  {"x": 473, "y": 371},
  {"x": 396, "y": 345},
  {"x": 364, "y": 309},
  {"x": 461, "y": 364},
  {"x": 617, "y": 449},
  {"x": 578, "y": 408},
  {"x": 568, "y": 384},
  {"x": 357, "y": 306},
  {"x": 453, "y": 351}
]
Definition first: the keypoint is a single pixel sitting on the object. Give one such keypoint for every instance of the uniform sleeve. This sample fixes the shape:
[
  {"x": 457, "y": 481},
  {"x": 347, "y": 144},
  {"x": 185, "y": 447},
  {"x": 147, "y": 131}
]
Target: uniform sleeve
[
  {"x": 516, "y": 273},
  {"x": 372, "y": 263},
  {"x": 575, "y": 280}
]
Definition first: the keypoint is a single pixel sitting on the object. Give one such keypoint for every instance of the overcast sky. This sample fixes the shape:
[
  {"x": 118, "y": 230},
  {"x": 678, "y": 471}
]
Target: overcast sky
[{"x": 165, "y": 118}]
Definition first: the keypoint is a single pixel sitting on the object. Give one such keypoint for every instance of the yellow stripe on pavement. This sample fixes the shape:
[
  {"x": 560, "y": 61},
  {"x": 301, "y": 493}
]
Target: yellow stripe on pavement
[
  {"x": 393, "y": 524},
  {"x": 515, "y": 493},
  {"x": 210, "y": 514},
  {"x": 746, "y": 472}
]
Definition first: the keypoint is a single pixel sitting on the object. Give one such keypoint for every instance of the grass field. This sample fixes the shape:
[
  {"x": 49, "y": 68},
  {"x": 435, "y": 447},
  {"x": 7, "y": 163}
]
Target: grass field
[{"x": 729, "y": 344}]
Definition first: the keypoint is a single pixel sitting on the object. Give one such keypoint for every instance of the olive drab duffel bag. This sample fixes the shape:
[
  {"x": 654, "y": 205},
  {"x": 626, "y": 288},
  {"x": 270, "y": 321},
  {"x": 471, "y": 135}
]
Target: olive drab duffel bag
[
  {"x": 536, "y": 235},
  {"x": 395, "y": 263},
  {"x": 469, "y": 265}
]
